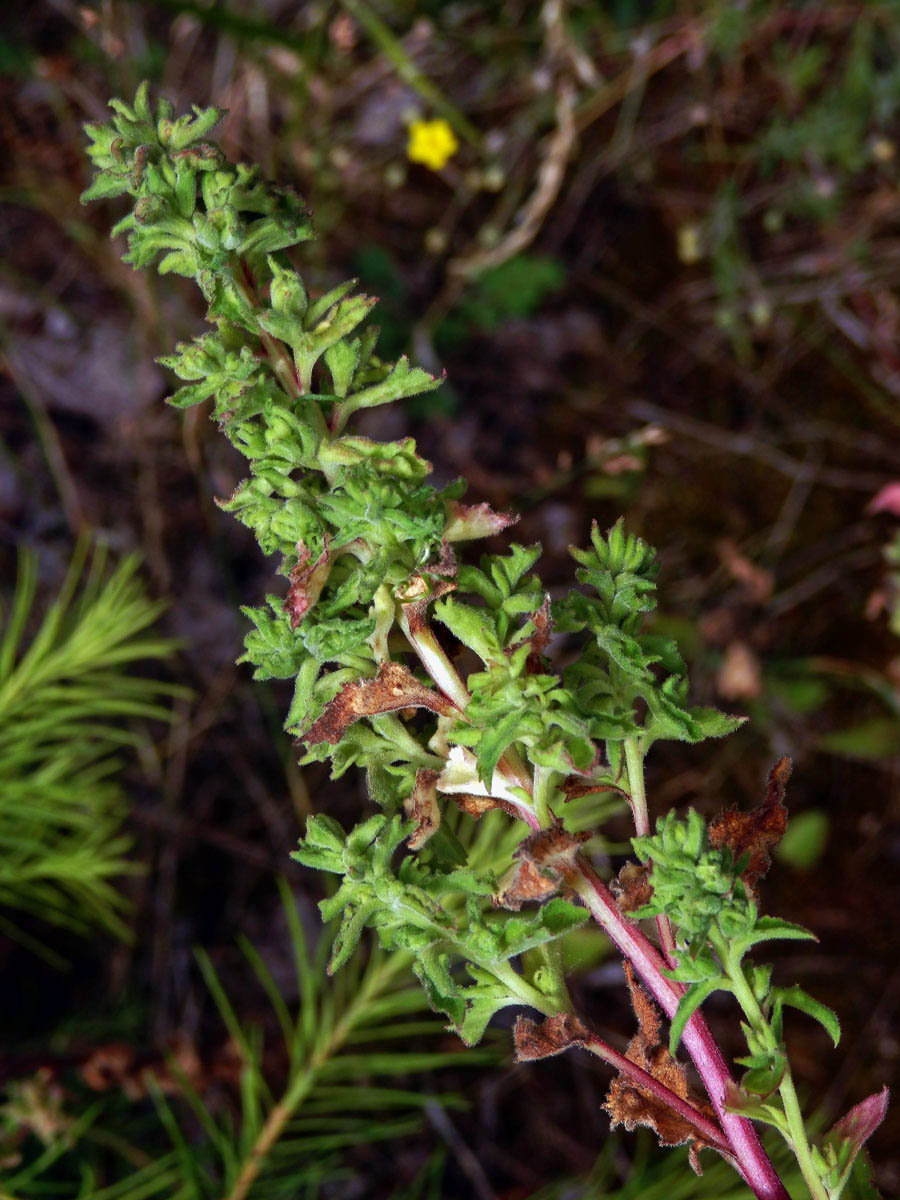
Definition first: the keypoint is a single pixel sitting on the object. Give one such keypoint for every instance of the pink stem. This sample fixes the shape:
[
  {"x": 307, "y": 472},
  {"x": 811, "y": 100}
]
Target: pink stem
[{"x": 750, "y": 1158}]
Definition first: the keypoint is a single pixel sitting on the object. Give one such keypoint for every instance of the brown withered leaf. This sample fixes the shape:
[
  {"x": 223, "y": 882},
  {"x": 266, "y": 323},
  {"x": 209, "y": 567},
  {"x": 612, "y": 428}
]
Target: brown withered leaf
[
  {"x": 554, "y": 1035},
  {"x": 307, "y": 580},
  {"x": 632, "y": 888},
  {"x": 522, "y": 882},
  {"x": 552, "y": 849},
  {"x": 543, "y": 860},
  {"x": 631, "y": 1105},
  {"x": 757, "y": 832},
  {"x": 574, "y": 788},
  {"x": 540, "y": 639},
  {"x": 394, "y": 687},
  {"x": 423, "y": 808},
  {"x": 477, "y": 806}
]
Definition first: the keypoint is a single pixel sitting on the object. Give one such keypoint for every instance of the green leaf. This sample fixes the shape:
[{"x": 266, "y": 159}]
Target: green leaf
[
  {"x": 797, "y": 998},
  {"x": 714, "y": 724},
  {"x": 690, "y": 1002},
  {"x": 767, "y": 929}
]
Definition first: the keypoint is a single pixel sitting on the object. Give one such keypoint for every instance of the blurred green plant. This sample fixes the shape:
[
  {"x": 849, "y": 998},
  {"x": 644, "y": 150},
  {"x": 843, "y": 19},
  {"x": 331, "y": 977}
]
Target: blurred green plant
[
  {"x": 68, "y": 698},
  {"x": 513, "y": 290},
  {"x": 335, "y": 1068}
]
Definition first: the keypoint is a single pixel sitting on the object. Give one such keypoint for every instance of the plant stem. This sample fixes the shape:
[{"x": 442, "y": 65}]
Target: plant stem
[
  {"x": 634, "y": 760},
  {"x": 797, "y": 1140},
  {"x": 544, "y": 780},
  {"x": 279, "y": 356},
  {"x": 750, "y": 1158},
  {"x": 800, "y": 1142}
]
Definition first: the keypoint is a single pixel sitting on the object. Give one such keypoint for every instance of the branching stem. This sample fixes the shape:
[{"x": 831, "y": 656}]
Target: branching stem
[
  {"x": 751, "y": 1159},
  {"x": 796, "y": 1130},
  {"x": 634, "y": 761}
]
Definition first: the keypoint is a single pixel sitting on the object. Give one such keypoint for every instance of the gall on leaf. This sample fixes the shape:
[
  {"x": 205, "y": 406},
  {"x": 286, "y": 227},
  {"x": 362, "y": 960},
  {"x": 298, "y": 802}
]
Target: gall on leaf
[
  {"x": 422, "y": 807},
  {"x": 630, "y": 1105},
  {"x": 755, "y": 834},
  {"x": 393, "y": 688}
]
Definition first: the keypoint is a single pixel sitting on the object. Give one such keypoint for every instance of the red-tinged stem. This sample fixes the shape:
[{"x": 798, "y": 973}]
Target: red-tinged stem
[
  {"x": 750, "y": 1158},
  {"x": 634, "y": 761},
  {"x": 643, "y": 1079},
  {"x": 748, "y": 1155}
]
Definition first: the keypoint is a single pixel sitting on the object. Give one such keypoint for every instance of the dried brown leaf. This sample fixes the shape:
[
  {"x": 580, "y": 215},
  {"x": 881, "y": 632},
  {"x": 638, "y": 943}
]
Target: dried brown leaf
[
  {"x": 554, "y": 1035},
  {"x": 477, "y": 806},
  {"x": 633, "y": 889},
  {"x": 423, "y": 808},
  {"x": 307, "y": 580},
  {"x": 553, "y": 849},
  {"x": 758, "y": 832},
  {"x": 543, "y": 861},
  {"x": 540, "y": 639},
  {"x": 574, "y": 788},
  {"x": 393, "y": 688},
  {"x": 630, "y": 1105},
  {"x": 523, "y": 882}
]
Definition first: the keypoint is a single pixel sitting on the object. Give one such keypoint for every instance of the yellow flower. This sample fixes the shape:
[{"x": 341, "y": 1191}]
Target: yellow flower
[{"x": 432, "y": 143}]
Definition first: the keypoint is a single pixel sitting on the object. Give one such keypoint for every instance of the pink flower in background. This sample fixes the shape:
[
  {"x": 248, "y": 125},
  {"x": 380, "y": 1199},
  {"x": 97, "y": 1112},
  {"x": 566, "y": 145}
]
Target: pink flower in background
[{"x": 886, "y": 500}]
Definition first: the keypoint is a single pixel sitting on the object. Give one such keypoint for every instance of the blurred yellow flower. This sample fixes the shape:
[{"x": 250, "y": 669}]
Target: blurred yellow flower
[{"x": 432, "y": 143}]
